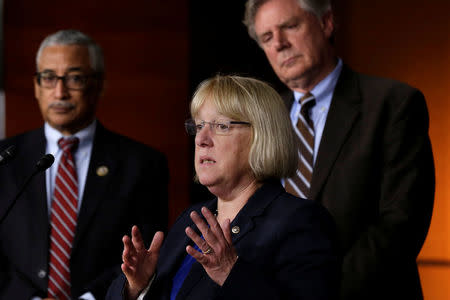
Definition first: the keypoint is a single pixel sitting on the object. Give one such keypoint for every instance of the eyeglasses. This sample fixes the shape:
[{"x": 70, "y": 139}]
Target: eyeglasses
[
  {"x": 73, "y": 81},
  {"x": 218, "y": 127}
]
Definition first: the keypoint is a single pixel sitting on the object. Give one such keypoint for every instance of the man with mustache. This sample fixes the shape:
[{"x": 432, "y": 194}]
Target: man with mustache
[
  {"x": 63, "y": 237},
  {"x": 363, "y": 144}
]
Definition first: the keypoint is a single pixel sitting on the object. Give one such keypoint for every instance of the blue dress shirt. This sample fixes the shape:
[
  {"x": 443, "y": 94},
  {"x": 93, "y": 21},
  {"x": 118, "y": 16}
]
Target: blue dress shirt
[{"x": 323, "y": 93}]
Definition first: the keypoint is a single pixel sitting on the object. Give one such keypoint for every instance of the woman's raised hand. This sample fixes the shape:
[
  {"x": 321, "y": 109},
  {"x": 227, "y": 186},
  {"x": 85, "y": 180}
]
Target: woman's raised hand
[
  {"x": 139, "y": 263},
  {"x": 218, "y": 255}
]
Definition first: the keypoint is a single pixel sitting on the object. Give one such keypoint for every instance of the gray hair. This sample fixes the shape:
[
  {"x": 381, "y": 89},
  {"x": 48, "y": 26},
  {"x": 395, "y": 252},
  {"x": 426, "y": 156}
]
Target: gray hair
[
  {"x": 316, "y": 7},
  {"x": 273, "y": 152},
  {"x": 75, "y": 37}
]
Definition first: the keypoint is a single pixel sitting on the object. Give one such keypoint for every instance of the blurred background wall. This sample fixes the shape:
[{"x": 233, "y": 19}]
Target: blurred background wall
[
  {"x": 158, "y": 51},
  {"x": 410, "y": 41}
]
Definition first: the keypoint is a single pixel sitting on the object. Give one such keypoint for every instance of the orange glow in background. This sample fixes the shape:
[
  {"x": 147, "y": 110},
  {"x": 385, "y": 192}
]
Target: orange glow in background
[
  {"x": 410, "y": 41},
  {"x": 147, "y": 89}
]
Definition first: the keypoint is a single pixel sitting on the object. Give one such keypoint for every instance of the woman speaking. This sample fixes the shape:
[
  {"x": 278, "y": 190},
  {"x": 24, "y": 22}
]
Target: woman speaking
[{"x": 253, "y": 240}]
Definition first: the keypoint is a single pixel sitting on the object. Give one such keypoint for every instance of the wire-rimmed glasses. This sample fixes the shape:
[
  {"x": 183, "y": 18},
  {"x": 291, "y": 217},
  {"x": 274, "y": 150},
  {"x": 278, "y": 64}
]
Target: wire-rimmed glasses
[{"x": 219, "y": 127}]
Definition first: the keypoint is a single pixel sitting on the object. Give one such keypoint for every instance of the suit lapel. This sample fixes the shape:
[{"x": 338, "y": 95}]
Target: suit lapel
[
  {"x": 242, "y": 224},
  {"x": 174, "y": 250},
  {"x": 35, "y": 201},
  {"x": 104, "y": 152},
  {"x": 288, "y": 99},
  {"x": 344, "y": 110},
  {"x": 256, "y": 205},
  {"x": 197, "y": 272}
]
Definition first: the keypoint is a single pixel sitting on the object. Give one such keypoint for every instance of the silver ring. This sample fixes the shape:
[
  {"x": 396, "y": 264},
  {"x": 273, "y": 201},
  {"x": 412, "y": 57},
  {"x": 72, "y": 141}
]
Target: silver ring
[{"x": 207, "y": 251}]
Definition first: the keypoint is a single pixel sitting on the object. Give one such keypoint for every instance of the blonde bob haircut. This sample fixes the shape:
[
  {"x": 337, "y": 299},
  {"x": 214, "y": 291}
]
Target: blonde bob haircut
[{"x": 273, "y": 152}]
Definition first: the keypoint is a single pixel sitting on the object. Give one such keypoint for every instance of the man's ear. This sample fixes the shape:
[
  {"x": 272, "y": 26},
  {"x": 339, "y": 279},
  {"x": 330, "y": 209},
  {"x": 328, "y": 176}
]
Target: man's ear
[{"x": 328, "y": 24}]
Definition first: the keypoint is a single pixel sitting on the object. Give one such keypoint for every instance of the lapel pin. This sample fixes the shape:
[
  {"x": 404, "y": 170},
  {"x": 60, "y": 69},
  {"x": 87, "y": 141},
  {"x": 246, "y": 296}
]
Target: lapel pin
[
  {"x": 235, "y": 229},
  {"x": 102, "y": 171}
]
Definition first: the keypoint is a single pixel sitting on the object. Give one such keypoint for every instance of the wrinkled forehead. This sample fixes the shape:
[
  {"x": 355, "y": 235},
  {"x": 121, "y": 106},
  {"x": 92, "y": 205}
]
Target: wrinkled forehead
[{"x": 273, "y": 14}]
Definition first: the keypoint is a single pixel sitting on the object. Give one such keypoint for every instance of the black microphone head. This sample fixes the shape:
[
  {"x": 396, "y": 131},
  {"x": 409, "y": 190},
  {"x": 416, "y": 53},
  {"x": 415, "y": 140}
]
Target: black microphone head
[
  {"x": 7, "y": 154},
  {"x": 45, "y": 162}
]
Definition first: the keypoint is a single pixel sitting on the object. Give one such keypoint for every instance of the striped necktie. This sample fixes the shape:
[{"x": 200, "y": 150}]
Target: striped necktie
[
  {"x": 63, "y": 220},
  {"x": 299, "y": 185}
]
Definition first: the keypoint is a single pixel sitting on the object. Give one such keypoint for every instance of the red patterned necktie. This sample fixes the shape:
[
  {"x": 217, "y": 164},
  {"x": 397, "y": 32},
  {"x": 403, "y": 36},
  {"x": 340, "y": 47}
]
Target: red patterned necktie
[
  {"x": 63, "y": 220},
  {"x": 299, "y": 184}
]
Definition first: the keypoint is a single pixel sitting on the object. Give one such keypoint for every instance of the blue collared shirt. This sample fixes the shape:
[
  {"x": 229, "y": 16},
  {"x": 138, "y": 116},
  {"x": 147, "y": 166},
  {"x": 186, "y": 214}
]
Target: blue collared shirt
[
  {"x": 323, "y": 93},
  {"x": 82, "y": 158}
]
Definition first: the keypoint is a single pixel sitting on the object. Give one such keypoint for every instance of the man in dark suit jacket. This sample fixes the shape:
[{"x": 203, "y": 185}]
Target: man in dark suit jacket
[
  {"x": 372, "y": 160},
  {"x": 120, "y": 182}
]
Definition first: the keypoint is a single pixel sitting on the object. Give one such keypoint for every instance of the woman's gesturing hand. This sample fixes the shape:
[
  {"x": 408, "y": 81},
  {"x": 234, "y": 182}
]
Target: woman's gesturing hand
[
  {"x": 139, "y": 263},
  {"x": 218, "y": 255}
]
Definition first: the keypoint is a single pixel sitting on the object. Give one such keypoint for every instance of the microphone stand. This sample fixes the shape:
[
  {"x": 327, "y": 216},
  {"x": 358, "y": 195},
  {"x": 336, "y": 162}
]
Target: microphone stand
[{"x": 43, "y": 164}]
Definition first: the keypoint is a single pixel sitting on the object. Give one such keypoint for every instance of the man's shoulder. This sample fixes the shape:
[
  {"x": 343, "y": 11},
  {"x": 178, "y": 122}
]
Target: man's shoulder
[
  {"x": 375, "y": 93},
  {"x": 374, "y": 82},
  {"x": 125, "y": 144},
  {"x": 25, "y": 137}
]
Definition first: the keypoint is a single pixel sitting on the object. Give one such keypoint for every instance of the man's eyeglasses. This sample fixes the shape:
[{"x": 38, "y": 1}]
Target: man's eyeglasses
[
  {"x": 73, "y": 81},
  {"x": 218, "y": 127}
]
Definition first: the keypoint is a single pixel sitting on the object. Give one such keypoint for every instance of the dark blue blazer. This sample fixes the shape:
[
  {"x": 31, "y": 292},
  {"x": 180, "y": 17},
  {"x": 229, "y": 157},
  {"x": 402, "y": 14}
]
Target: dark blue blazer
[
  {"x": 285, "y": 247},
  {"x": 134, "y": 191}
]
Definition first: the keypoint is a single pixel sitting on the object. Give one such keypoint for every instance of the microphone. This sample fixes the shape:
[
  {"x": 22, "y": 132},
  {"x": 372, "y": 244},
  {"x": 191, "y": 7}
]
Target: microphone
[
  {"x": 7, "y": 154},
  {"x": 42, "y": 164}
]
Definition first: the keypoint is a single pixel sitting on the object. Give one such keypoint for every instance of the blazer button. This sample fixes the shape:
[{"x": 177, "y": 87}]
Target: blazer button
[
  {"x": 41, "y": 274},
  {"x": 235, "y": 229}
]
